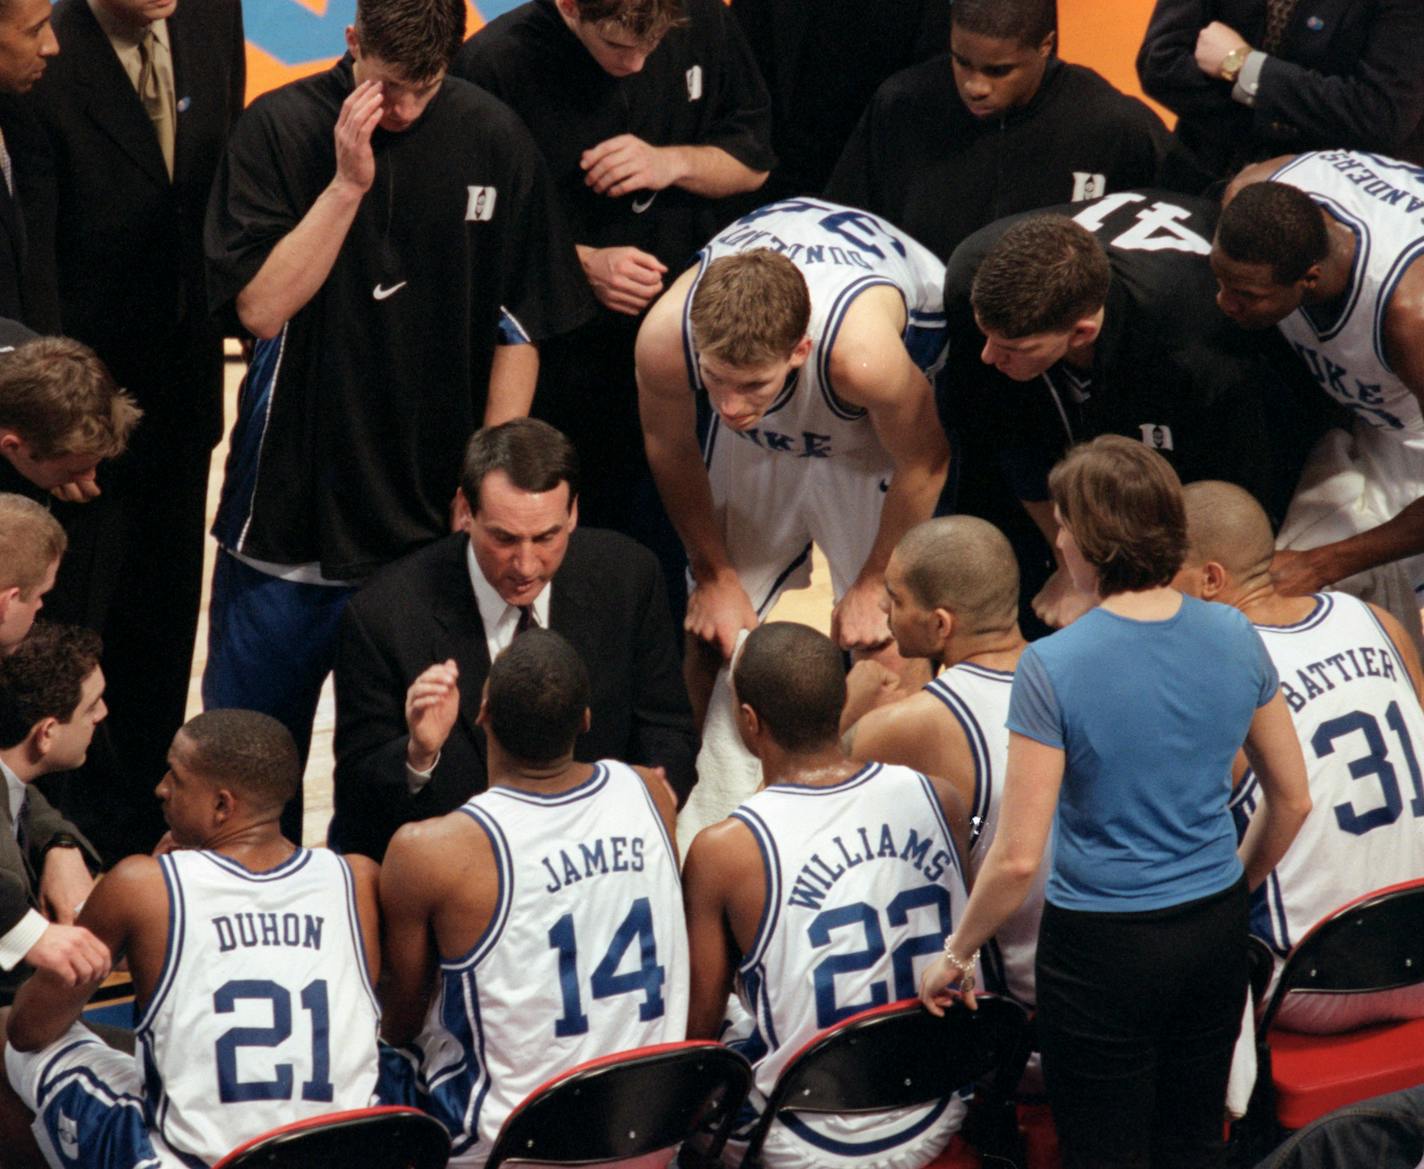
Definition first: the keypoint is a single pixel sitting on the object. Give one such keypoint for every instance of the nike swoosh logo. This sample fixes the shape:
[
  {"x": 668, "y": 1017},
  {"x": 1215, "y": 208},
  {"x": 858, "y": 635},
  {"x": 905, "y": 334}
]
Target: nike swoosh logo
[
  {"x": 641, "y": 205},
  {"x": 379, "y": 293}
]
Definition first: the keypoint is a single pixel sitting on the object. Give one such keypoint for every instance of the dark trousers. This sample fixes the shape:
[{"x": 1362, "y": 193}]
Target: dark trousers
[{"x": 1137, "y": 1016}]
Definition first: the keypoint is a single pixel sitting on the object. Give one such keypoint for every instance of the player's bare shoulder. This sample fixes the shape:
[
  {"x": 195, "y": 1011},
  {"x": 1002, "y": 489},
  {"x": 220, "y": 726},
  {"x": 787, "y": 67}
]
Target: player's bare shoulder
[
  {"x": 659, "y": 354},
  {"x": 1256, "y": 172},
  {"x": 867, "y": 360}
]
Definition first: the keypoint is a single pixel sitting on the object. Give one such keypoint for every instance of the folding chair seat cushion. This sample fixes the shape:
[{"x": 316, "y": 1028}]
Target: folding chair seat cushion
[{"x": 1316, "y": 1074}]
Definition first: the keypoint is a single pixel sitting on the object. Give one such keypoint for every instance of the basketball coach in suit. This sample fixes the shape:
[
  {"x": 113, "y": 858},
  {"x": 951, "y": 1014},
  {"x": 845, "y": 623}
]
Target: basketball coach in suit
[
  {"x": 137, "y": 110},
  {"x": 417, "y": 641}
]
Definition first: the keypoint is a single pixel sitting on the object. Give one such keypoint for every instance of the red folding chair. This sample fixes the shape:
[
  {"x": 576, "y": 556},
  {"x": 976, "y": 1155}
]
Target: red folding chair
[
  {"x": 1374, "y": 943},
  {"x": 363, "y": 1138},
  {"x": 627, "y": 1106},
  {"x": 896, "y": 1056}
]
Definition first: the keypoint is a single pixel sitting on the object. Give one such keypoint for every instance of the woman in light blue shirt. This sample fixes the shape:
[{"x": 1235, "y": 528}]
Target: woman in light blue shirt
[{"x": 1123, "y": 729}]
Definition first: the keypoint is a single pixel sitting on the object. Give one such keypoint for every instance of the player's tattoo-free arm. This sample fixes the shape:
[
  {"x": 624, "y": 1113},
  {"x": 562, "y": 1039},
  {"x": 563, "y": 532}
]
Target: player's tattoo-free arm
[
  {"x": 1274, "y": 753},
  {"x": 718, "y": 608},
  {"x": 869, "y": 367},
  {"x": 298, "y": 266},
  {"x": 49, "y": 1003},
  {"x": 411, "y": 887},
  {"x": 513, "y": 375},
  {"x": 711, "y": 951},
  {"x": 623, "y": 164}
]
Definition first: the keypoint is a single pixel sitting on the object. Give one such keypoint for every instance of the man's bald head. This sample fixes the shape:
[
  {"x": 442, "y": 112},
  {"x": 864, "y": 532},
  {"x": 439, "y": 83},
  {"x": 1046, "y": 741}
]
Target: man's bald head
[
  {"x": 963, "y": 564},
  {"x": 1227, "y": 525}
]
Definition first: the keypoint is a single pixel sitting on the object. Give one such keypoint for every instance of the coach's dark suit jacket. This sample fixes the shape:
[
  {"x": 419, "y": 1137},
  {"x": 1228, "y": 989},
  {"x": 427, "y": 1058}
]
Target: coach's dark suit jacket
[
  {"x": 128, "y": 251},
  {"x": 608, "y": 600},
  {"x": 27, "y": 280},
  {"x": 17, "y": 896},
  {"x": 1347, "y": 74}
]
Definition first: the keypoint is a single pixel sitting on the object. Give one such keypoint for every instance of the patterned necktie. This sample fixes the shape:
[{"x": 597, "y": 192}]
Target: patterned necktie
[
  {"x": 1278, "y": 14},
  {"x": 150, "y": 92},
  {"x": 527, "y": 620},
  {"x": 22, "y": 841}
]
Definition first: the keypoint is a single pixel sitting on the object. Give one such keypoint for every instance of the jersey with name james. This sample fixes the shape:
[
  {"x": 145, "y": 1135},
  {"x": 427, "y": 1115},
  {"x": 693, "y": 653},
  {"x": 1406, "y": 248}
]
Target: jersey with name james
[
  {"x": 585, "y": 953},
  {"x": 1381, "y": 202},
  {"x": 1362, "y": 732},
  {"x": 263, "y": 1013},
  {"x": 863, "y": 884},
  {"x": 978, "y": 698},
  {"x": 840, "y": 252}
]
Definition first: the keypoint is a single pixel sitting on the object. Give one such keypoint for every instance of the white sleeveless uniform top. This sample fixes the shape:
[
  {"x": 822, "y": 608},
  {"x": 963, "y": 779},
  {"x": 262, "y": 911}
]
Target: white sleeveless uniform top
[
  {"x": 264, "y": 1012},
  {"x": 585, "y": 954},
  {"x": 1352, "y": 486},
  {"x": 1362, "y": 733},
  {"x": 863, "y": 883},
  {"x": 841, "y": 252},
  {"x": 979, "y": 699}
]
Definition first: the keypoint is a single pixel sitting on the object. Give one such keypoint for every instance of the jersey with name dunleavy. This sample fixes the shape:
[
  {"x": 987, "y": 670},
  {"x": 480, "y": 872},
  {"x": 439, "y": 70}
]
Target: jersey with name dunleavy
[
  {"x": 1382, "y": 203},
  {"x": 841, "y": 252},
  {"x": 264, "y": 1012},
  {"x": 1362, "y": 732},
  {"x": 978, "y": 698},
  {"x": 863, "y": 884},
  {"x": 585, "y": 953}
]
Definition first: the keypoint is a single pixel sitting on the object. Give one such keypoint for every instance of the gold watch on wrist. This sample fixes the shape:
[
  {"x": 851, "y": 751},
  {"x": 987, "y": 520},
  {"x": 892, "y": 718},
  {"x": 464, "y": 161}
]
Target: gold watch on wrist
[{"x": 1231, "y": 63}]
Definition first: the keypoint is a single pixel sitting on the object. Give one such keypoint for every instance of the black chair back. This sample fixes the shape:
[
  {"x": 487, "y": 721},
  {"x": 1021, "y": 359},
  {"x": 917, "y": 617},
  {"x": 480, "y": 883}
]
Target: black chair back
[
  {"x": 364, "y": 1138},
  {"x": 627, "y": 1106},
  {"x": 894, "y": 1056}
]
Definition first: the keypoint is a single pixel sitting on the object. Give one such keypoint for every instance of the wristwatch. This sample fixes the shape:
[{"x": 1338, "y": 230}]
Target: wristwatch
[
  {"x": 1233, "y": 61},
  {"x": 60, "y": 840}
]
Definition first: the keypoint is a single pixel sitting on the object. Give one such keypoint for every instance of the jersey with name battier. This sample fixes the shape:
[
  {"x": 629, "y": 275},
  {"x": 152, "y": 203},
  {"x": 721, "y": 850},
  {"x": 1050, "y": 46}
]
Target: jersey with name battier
[
  {"x": 841, "y": 252},
  {"x": 979, "y": 699},
  {"x": 263, "y": 1013},
  {"x": 585, "y": 953},
  {"x": 863, "y": 884},
  {"x": 1362, "y": 733},
  {"x": 1382, "y": 203}
]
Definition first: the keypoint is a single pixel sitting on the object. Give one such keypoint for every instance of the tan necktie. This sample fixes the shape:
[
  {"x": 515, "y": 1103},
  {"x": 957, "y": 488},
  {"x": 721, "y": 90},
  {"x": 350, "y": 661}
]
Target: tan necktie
[
  {"x": 1278, "y": 14},
  {"x": 157, "y": 97}
]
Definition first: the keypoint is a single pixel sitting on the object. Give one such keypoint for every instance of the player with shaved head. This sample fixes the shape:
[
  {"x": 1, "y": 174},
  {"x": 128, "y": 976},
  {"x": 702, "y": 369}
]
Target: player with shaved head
[
  {"x": 1351, "y": 678},
  {"x": 952, "y": 586}
]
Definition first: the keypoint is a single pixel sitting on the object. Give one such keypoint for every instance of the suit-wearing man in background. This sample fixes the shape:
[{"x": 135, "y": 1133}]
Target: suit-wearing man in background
[
  {"x": 51, "y": 699},
  {"x": 417, "y": 641},
  {"x": 27, "y": 42},
  {"x": 1253, "y": 78},
  {"x": 136, "y": 114}
]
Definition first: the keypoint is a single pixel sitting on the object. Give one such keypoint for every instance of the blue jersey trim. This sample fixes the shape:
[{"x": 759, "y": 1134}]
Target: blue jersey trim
[
  {"x": 1386, "y": 293},
  {"x": 1389, "y": 641},
  {"x": 1324, "y": 603},
  {"x": 511, "y": 331},
  {"x": 978, "y": 742},
  {"x": 771, "y": 887},
  {"x": 504, "y": 871},
  {"x": 297, "y": 861},
  {"x": 238, "y": 499},
  {"x": 689, "y": 350},
  {"x": 864, "y": 775},
  {"x": 353, "y": 920},
  {"x": 950, "y": 845},
  {"x": 1328, "y": 330},
  {"x": 589, "y": 787},
  {"x": 827, "y": 342},
  {"x": 173, "y": 951},
  {"x": 781, "y": 579},
  {"x": 798, "y": 1126},
  {"x": 658, "y": 820}
]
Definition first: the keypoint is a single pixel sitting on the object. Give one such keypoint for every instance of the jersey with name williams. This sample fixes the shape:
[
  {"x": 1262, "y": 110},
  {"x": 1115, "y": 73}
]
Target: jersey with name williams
[
  {"x": 353, "y": 419},
  {"x": 1362, "y": 732},
  {"x": 841, "y": 252},
  {"x": 863, "y": 884},
  {"x": 1381, "y": 202},
  {"x": 263, "y": 1013},
  {"x": 585, "y": 953}
]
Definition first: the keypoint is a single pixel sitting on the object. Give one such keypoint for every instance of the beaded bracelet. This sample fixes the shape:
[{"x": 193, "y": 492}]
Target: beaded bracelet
[{"x": 967, "y": 966}]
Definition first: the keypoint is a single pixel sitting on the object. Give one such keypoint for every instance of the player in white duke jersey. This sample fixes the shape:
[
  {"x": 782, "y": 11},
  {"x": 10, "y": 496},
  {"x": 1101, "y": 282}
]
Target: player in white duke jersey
[
  {"x": 1327, "y": 247},
  {"x": 1352, "y": 681},
  {"x": 952, "y": 597},
  {"x": 810, "y": 327},
  {"x": 253, "y": 962},
  {"x": 540, "y": 924},
  {"x": 822, "y": 895}
]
